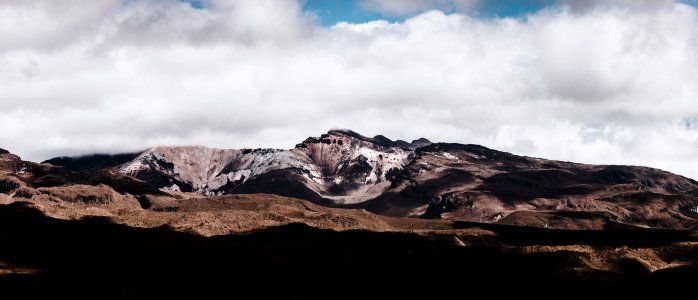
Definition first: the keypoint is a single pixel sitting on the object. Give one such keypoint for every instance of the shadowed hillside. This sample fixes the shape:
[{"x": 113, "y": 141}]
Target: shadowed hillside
[{"x": 94, "y": 257}]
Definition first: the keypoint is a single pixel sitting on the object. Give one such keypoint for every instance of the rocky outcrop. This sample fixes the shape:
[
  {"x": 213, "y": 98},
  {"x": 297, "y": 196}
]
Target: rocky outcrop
[
  {"x": 84, "y": 194},
  {"x": 8, "y": 185},
  {"x": 9, "y": 162}
]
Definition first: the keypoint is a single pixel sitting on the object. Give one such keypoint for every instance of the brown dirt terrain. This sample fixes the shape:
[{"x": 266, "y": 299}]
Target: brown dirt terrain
[{"x": 208, "y": 216}]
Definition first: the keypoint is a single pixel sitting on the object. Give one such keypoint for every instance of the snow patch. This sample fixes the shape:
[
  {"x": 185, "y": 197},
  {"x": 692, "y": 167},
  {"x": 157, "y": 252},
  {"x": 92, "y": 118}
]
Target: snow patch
[
  {"x": 371, "y": 179},
  {"x": 317, "y": 179},
  {"x": 418, "y": 211},
  {"x": 449, "y": 156},
  {"x": 382, "y": 161},
  {"x": 238, "y": 175}
]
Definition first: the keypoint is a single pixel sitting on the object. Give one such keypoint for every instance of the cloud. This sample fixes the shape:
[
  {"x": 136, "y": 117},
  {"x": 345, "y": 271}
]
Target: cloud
[
  {"x": 602, "y": 85},
  {"x": 402, "y": 8}
]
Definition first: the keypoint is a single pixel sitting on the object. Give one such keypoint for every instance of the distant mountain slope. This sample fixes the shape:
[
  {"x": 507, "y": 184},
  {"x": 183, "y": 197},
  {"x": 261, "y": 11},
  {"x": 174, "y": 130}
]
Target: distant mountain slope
[
  {"x": 25, "y": 179},
  {"x": 92, "y": 162},
  {"x": 474, "y": 183},
  {"x": 429, "y": 180}
]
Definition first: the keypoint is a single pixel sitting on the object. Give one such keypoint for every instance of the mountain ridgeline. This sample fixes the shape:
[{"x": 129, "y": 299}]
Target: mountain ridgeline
[{"x": 420, "y": 179}]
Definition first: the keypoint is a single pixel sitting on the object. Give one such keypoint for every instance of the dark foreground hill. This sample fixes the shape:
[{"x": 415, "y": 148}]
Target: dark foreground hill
[{"x": 95, "y": 258}]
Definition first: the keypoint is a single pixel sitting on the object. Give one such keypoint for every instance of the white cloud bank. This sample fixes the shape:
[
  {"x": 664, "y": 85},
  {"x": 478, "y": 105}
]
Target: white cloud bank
[{"x": 598, "y": 84}]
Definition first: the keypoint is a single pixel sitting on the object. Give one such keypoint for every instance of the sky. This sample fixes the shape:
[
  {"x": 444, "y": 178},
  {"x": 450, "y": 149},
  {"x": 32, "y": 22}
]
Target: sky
[
  {"x": 597, "y": 81},
  {"x": 329, "y": 13}
]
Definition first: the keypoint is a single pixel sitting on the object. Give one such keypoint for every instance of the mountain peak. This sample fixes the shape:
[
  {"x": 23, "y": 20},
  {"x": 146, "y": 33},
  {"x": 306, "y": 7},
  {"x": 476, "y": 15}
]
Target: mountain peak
[
  {"x": 420, "y": 142},
  {"x": 344, "y": 131},
  {"x": 379, "y": 140},
  {"x": 6, "y": 155},
  {"x": 383, "y": 140},
  {"x": 9, "y": 161}
]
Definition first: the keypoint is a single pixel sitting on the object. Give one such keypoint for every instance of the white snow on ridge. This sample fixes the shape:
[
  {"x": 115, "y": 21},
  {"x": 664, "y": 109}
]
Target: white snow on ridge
[
  {"x": 383, "y": 161},
  {"x": 208, "y": 169},
  {"x": 449, "y": 156}
]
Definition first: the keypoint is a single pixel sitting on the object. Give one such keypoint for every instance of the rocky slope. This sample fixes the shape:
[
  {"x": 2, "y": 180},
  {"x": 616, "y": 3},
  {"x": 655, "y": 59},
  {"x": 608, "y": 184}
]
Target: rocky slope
[
  {"x": 421, "y": 179},
  {"x": 339, "y": 167},
  {"x": 27, "y": 180},
  {"x": 474, "y": 183}
]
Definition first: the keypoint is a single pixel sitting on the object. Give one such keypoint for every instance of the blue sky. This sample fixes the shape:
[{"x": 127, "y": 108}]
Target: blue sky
[
  {"x": 196, "y": 4},
  {"x": 331, "y": 12}
]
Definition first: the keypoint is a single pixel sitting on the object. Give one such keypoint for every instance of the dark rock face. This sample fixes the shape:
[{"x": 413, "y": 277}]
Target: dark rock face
[
  {"x": 161, "y": 180},
  {"x": 422, "y": 142},
  {"x": 93, "y": 199},
  {"x": 92, "y": 162},
  {"x": 7, "y": 186},
  {"x": 280, "y": 182},
  {"x": 533, "y": 184},
  {"x": 380, "y": 140}
]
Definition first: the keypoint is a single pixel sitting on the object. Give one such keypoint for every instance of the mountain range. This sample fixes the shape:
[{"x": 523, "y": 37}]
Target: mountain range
[
  {"x": 419, "y": 179},
  {"x": 336, "y": 211}
]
